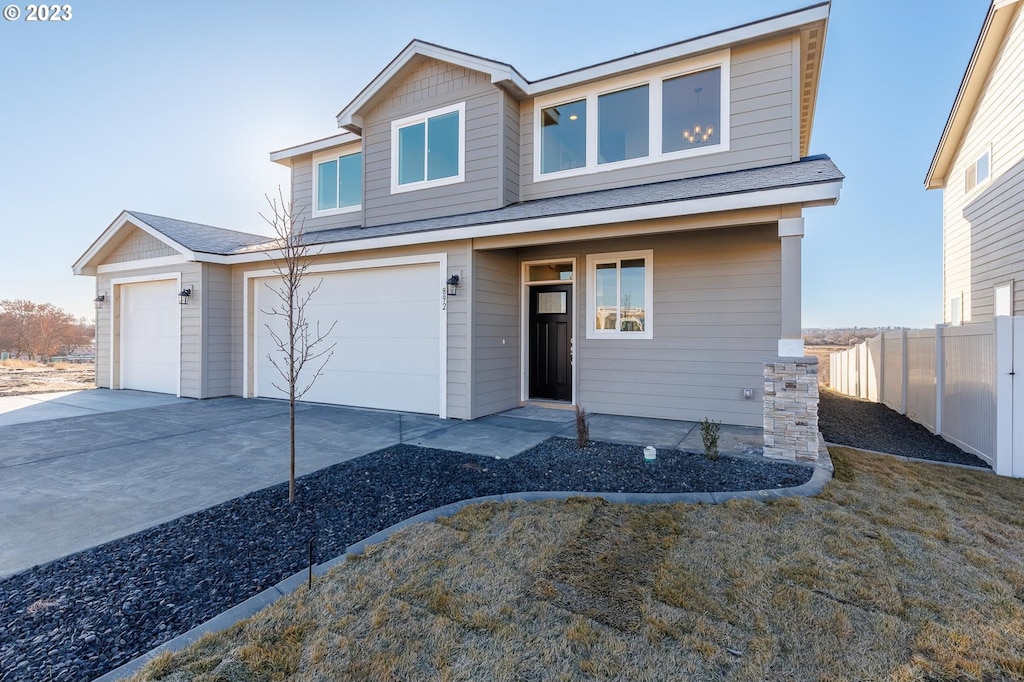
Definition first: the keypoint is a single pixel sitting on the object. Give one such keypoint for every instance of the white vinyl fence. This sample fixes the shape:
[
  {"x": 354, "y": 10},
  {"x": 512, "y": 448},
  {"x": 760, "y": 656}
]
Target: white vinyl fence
[{"x": 959, "y": 382}]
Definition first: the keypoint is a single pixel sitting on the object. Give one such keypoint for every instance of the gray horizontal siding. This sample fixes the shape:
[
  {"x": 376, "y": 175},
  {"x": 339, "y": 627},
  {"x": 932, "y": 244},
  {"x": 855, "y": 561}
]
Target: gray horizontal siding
[
  {"x": 428, "y": 86},
  {"x": 302, "y": 196},
  {"x": 217, "y": 315},
  {"x": 761, "y": 129},
  {"x": 716, "y": 314},
  {"x": 510, "y": 125},
  {"x": 496, "y": 323}
]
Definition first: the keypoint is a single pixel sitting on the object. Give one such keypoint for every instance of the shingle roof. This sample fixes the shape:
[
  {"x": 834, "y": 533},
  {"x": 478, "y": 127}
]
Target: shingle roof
[
  {"x": 808, "y": 171},
  {"x": 199, "y": 237}
]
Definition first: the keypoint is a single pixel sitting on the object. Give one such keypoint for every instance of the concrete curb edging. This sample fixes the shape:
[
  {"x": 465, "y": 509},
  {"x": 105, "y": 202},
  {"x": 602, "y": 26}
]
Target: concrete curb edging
[
  {"x": 914, "y": 460},
  {"x": 822, "y": 474}
]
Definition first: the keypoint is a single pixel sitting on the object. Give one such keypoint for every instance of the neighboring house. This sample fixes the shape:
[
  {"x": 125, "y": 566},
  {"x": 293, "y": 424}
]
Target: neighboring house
[
  {"x": 979, "y": 165},
  {"x": 625, "y": 236}
]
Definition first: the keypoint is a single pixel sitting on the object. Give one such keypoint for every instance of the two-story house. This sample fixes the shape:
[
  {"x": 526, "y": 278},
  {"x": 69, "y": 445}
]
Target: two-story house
[
  {"x": 625, "y": 236},
  {"x": 979, "y": 166}
]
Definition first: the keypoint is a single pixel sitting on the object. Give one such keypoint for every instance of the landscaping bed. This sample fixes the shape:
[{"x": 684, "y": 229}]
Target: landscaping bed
[
  {"x": 85, "y": 614},
  {"x": 873, "y": 426}
]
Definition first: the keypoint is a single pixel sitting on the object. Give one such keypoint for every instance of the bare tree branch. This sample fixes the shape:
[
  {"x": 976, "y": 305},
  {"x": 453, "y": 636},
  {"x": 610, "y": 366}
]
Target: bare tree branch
[{"x": 297, "y": 345}]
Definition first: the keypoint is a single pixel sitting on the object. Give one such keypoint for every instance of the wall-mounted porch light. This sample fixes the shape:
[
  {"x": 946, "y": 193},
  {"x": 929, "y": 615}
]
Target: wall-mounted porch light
[
  {"x": 453, "y": 285},
  {"x": 98, "y": 301},
  {"x": 184, "y": 295}
]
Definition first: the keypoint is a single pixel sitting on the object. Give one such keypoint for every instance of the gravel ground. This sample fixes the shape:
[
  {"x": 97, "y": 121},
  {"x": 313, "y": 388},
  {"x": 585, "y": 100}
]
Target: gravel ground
[
  {"x": 88, "y": 613},
  {"x": 873, "y": 426}
]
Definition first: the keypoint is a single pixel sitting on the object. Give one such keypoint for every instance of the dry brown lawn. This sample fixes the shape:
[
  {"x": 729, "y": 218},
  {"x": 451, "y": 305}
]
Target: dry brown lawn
[
  {"x": 895, "y": 572},
  {"x": 23, "y": 377}
]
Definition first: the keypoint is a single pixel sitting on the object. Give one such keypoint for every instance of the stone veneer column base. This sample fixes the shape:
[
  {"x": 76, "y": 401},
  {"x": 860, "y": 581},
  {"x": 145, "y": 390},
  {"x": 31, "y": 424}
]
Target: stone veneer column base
[{"x": 791, "y": 408}]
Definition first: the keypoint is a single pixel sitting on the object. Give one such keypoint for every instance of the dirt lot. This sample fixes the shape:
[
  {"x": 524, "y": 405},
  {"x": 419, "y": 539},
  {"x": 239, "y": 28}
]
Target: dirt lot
[
  {"x": 822, "y": 353},
  {"x": 21, "y": 378}
]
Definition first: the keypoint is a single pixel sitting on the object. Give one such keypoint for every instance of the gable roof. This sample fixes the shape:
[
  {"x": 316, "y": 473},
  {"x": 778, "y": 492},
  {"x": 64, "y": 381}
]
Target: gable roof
[
  {"x": 813, "y": 180},
  {"x": 993, "y": 32},
  {"x": 811, "y": 21},
  {"x": 187, "y": 238}
]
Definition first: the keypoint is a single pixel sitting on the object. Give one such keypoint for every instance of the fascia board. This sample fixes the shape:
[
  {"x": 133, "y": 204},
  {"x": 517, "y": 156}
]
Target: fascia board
[
  {"x": 986, "y": 49},
  {"x": 82, "y": 267},
  {"x": 715, "y": 41},
  {"x": 499, "y": 73},
  {"x": 820, "y": 194},
  {"x": 282, "y": 155}
]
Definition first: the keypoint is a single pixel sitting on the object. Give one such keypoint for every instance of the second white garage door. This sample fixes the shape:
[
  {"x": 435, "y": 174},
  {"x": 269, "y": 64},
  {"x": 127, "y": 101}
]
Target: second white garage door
[
  {"x": 149, "y": 336},
  {"x": 388, "y": 335}
]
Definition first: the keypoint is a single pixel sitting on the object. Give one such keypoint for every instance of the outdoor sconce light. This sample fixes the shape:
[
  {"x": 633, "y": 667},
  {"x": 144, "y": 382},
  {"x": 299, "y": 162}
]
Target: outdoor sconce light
[
  {"x": 453, "y": 285},
  {"x": 183, "y": 296},
  {"x": 99, "y": 300}
]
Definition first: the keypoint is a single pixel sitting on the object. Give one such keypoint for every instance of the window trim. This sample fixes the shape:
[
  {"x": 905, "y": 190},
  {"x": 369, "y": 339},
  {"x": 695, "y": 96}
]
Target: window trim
[
  {"x": 654, "y": 78},
  {"x": 595, "y": 259},
  {"x": 974, "y": 165},
  {"x": 400, "y": 123},
  {"x": 327, "y": 156}
]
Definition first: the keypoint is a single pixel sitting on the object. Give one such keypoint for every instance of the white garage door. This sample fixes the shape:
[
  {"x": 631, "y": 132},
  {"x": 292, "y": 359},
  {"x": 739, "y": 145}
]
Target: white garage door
[
  {"x": 149, "y": 336},
  {"x": 388, "y": 331}
]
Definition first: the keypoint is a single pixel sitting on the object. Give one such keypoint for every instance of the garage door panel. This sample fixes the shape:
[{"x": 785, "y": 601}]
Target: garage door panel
[
  {"x": 387, "y": 336},
  {"x": 149, "y": 336},
  {"x": 375, "y": 390},
  {"x": 386, "y": 355}
]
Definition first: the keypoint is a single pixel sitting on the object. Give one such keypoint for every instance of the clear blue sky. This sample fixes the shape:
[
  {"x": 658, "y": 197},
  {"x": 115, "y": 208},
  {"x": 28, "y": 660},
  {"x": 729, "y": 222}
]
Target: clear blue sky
[{"x": 172, "y": 107}]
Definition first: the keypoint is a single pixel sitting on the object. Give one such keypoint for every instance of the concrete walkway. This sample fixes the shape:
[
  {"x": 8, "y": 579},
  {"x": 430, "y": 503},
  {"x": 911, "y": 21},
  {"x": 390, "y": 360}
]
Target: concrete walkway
[{"x": 81, "y": 469}]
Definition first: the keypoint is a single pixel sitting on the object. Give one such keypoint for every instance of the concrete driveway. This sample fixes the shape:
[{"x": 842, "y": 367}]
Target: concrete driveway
[
  {"x": 78, "y": 470},
  {"x": 68, "y": 483}
]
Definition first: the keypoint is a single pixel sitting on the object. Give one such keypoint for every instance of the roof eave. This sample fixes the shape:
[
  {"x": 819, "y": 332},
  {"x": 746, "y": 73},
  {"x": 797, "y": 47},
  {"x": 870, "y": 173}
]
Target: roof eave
[
  {"x": 86, "y": 263},
  {"x": 824, "y": 193},
  {"x": 986, "y": 48},
  {"x": 503, "y": 75},
  {"x": 756, "y": 30},
  {"x": 285, "y": 156}
]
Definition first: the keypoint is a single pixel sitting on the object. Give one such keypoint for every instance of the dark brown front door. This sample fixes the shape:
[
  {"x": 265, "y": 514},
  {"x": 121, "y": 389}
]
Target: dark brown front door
[{"x": 551, "y": 341}]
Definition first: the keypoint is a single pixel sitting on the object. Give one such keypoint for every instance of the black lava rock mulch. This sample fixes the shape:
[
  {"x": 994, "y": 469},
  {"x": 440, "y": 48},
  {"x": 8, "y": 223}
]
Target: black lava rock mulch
[
  {"x": 873, "y": 426},
  {"x": 88, "y": 613}
]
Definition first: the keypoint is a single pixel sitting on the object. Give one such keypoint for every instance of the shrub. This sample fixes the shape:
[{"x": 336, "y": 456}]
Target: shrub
[
  {"x": 709, "y": 434},
  {"x": 582, "y": 427}
]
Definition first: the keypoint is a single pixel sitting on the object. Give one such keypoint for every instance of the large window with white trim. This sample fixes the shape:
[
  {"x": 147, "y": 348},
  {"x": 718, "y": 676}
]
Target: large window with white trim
[
  {"x": 337, "y": 183},
  {"x": 428, "y": 149},
  {"x": 619, "y": 294},
  {"x": 660, "y": 114}
]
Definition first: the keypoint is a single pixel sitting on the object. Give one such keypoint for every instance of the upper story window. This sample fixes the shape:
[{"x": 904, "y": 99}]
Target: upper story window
[
  {"x": 338, "y": 185},
  {"x": 428, "y": 149},
  {"x": 978, "y": 172},
  {"x": 670, "y": 112}
]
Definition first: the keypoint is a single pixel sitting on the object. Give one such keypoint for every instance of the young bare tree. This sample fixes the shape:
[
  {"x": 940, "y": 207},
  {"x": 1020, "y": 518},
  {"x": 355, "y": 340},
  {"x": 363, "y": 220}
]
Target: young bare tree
[{"x": 299, "y": 344}]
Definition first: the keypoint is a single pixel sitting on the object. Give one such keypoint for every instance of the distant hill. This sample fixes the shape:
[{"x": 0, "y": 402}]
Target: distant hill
[{"x": 843, "y": 336}]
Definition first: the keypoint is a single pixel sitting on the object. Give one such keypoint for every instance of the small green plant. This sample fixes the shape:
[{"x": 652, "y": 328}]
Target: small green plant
[
  {"x": 709, "y": 434},
  {"x": 582, "y": 427}
]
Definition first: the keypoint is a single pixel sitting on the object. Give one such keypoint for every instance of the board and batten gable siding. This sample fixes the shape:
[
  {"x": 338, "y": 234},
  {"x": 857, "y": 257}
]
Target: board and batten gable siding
[
  {"x": 139, "y": 245},
  {"x": 302, "y": 198},
  {"x": 717, "y": 313},
  {"x": 764, "y": 113},
  {"x": 496, "y": 331},
  {"x": 191, "y": 327},
  {"x": 218, "y": 316},
  {"x": 457, "y": 337},
  {"x": 983, "y": 230},
  {"x": 430, "y": 85}
]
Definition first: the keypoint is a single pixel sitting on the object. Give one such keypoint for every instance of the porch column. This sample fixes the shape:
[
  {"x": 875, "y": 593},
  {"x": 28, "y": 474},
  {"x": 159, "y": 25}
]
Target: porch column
[{"x": 791, "y": 232}]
